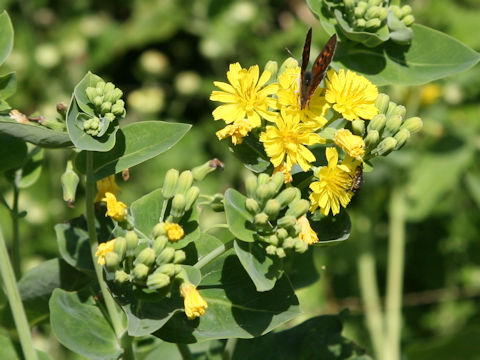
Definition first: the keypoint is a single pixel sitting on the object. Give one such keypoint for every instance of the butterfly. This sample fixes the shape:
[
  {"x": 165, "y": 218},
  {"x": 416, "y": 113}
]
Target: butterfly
[{"x": 309, "y": 80}]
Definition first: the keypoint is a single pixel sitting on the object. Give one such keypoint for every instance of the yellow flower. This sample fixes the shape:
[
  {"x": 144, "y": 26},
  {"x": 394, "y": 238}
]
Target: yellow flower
[
  {"x": 288, "y": 140},
  {"x": 352, "y": 95},
  {"x": 353, "y": 145},
  {"x": 103, "y": 249},
  {"x": 174, "y": 231},
  {"x": 283, "y": 169},
  {"x": 245, "y": 96},
  {"x": 430, "y": 93},
  {"x": 333, "y": 187},
  {"x": 289, "y": 97},
  {"x": 306, "y": 233},
  {"x": 105, "y": 185},
  {"x": 237, "y": 131},
  {"x": 194, "y": 303},
  {"x": 117, "y": 210}
]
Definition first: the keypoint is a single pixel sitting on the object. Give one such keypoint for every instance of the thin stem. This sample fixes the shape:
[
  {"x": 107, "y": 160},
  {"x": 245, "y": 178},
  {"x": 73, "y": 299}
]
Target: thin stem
[
  {"x": 15, "y": 233},
  {"x": 229, "y": 348},
  {"x": 212, "y": 255},
  {"x": 92, "y": 232},
  {"x": 127, "y": 345},
  {"x": 162, "y": 213},
  {"x": 15, "y": 301},
  {"x": 216, "y": 226},
  {"x": 396, "y": 252},
  {"x": 185, "y": 351},
  {"x": 4, "y": 203}
]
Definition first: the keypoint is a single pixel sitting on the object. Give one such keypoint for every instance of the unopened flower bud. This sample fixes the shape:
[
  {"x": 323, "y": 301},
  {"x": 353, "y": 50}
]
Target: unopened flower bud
[
  {"x": 120, "y": 247},
  {"x": 178, "y": 206},
  {"x": 108, "y": 87},
  {"x": 159, "y": 229},
  {"x": 191, "y": 196},
  {"x": 167, "y": 269},
  {"x": 200, "y": 172},
  {"x": 300, "y": 246},
  {"x": 112, "y": 260},
  {"x": 406, "y": 10},
  {"x": 132, "y": 242},
  {"x": 375, "y": 2},
  {"x": 280, "y": 253},
  {"x": 286, "y": 222},
  {"x": 282, "y": 234},
  {"x": 118, "y": 108},
  {"x": 109, "y": 117},
  {"x": 271, "y": 239},
  {"x": 395, "y": 9},
  {"x": 382, "y": 103},
  {"x": 288, "y": 195},
  {"x": 392, "y": 125},
  {"x": 401, "y": 136},
  {"x": 359, "y": 11},
  {"x": 100, "y": 86},
  {"x": 349, "y": 4},
  {"x": 413, "y": 124},
  {"x": 185, "y": 181},
  {"x": 158, "y": 281},
  {"x": 146, "y": 256},
  {"x": 97, "y": 101},
  {"x": 383, "y": 14},
  {"x": 271, "y": 249},
  {"x": 385, "y": 147},
  {"x": 377, "y": 123},
  {"x": 399, "y": 110},
  {"x": 170, "y": 183},
  {"x": 372, "y": 138},
  {"x": 361, "y": 23},
  {"x": 263, "y": 193},
  {"x": 166, "y": 256},
  {"x": 121, "y": 277},
  {"x": 272, "y": 208},
  {"x": 277, "y": 181},
  {"x": 69, "y": 181},
  {"x": 272, "y": 67},
  {"x": 391, "y": 109},
  {"x": 408, "y": 20},
  {"x": 140, "y": 271},
  {"x": 159, "y": 244},
  {"x": 373, "y": 23},
  {"x": 295, "y": 230},
  {"x": 251, "y": 186},
  {"x": 298, "y": 208},
  {"x": 261, "y": 219},
  {"x": 288, "y": 243},
  {"x": 252, "y": 206},
  {"x": 105, "y": 107},
  {"x": 91, "y": 93},
  {"x": 372, "y": 12},
  {"x": 179, "y": 257},
  {"x": 263, "y": 179},
  {"x": 358, "y": 127}
]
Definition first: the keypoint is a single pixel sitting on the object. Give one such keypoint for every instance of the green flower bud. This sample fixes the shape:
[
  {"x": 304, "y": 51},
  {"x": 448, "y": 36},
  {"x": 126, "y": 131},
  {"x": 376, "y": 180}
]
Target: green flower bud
[
  {"x": 288, "y": 63},
  {"x": 166, "y": 256},
  {"x": 167, "y": 269},
  {"x": 132, "y": 242},
  {"x": 361, "y": 23},
  {"x": 280, "y": 253},
  {"x": 298, "y": 208},
  {"x": 263, "y": 193},
  {"x": 159, "y": 244},
  {"x": 286, "y": 222},
  {"x": 300, "y": 246},
  {"x": 395, "y": 9},
  {"x": 140, "y": 271},
  {"x": 272, "y": 208},
  {"x": 349, "y": 4},
  {"x": 105, "y": 107},
  {"x": 358, "y": 127},
  {"x": 185, "y": 181},
  {"x": 375, "y": 2},
  {"x": 178, "y": 206},
  {"x": 288, "y": 195},
  {"x": 191, "y": 196},
  {"x": 272, "y": 240},
  {"x": 108, "y": 87},
  {"x": 413, "y": 124},
  {"x": 179, "y": 257},
  {"x": 406, "y": 10},
  {"x": 251, "y": 186},
  {"x": 118, "y": 109},
  {"x": 272, "y": 67},
  {"x": 158, "y": 281},
  {"x": 159, "y": 229},
  {"x": 260, "y": 219},
  {"x": 252, "y": 206},
  {"x": 170, "y": 183},
  {"x": 69, "y": 181},
  {"x": 385, "y": 147},
  {"x": 100, "y": 86},
  {"x": 401, "y": 136},
  {"x": 377, "y": 123},
  {"x": 359, "y": 11},
  {"x": 372, "y": 139},
  {"x": 288, "y": 243},
  {"x": 399, "y": 110},
  {"x": 382, "y": 103},
  {"x": 121, "y": 277},
  {"x": 282, "y": 234},
  {"x": 392, "y": 125},
  {"x": 263, "y": 179},
  {"x": 295, "y": 230},
  {"x": 277, "y": 181},
  {"x": 373, "y": 23},
  {"x": 271, "y": 249},
  {"x": 383, "y": 14},
  {"x": 200, "y": 172},
  {"x": 146, "y": 256},
  {"x": 98, "y": 101},
  {"x": 391, "y": 109},
  {"x": 112, "y": 260},
  {"x": 91, "y": 93},
  {"x": 178, "y": 269},
  {"x": 372, "y": 12},
  {"x": 217, "y": 203},
  {"x": 109, "y": 117},
  {"x": 120, "y": 247},
  {"x": 408, "y": 20},
  {"x": 117, "y": 94}
]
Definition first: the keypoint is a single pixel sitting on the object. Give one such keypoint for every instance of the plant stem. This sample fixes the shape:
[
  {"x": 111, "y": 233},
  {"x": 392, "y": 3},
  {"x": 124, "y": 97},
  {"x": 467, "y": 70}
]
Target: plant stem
[
  {"x": 15, "y": 233},
  {"x": 229, "y": 349},
  {"x": 396, "y": 252},
  {"x": 92, "y": 232},
  {"x": 15, "y": 302},
  {"x": 127, "y": 345},
  {"x": 216, "y": 226},
  {"x": 213, "y": 254},
  {"x": 185, "y": 351}
]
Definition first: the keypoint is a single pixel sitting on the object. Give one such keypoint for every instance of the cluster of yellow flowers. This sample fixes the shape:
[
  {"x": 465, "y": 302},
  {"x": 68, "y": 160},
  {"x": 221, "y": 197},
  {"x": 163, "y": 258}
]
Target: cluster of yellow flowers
[{"x": 289, "y": 132}]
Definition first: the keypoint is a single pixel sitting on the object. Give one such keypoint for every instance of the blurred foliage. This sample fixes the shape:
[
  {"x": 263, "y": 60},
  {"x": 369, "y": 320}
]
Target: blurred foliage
[{"x": 165, "y": 55}]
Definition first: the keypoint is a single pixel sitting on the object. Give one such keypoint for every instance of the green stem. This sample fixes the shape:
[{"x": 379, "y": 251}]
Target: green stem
[
  {"x": 92, "y": 232},
  {"x": 15, "y": 233},
  {"x": 15, "y": 302},
  {"x": 216, "y": 226},
  {"x": 162, "y": 213},
  {"x": 185, "y": 351},
  {"x": 127, "y": 345},
  {"x": 393, "y": 298},
  {"x": 213, "y": 254},
  {"x": 229, "y": 348}
]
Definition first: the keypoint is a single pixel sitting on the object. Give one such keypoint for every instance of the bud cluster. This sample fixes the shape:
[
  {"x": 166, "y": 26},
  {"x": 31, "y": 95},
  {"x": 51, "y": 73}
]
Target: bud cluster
[
  {"x": 275, "y": 213},
  {"x": 404, "y": 14},
  {"x": 106, "y": 100},
  {"x": 146, "y": 263},
  {"x": 178, "y": 188},
  {"x": 387, "y": 131},
  {"x": 366, "y": 15}
]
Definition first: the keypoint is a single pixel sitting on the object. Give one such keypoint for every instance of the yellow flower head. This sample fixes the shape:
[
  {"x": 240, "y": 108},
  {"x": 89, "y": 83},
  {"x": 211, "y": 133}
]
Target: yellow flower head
[
  {"x": 194, "y": 303},
  {"x": 288, "y": 140},
  {"x": 105, "y": 185},
  {"x": 306, "y": 233},
  {"x": 353, "y": 145},
  {"x": 103, "y": 249},
  {"x": 333, "y": 187},
  {"x": 237, "y": 131},
  {"x": 246, "y": 96},
  {"x": 174, "y": 231},
  {"x": 283, "y": 169},
  {"x": 117, "y": 210},
  {"x": 430, "y": 93},
  {"x": 352, "y": 95},
  {"x": 289, "y": 97}
]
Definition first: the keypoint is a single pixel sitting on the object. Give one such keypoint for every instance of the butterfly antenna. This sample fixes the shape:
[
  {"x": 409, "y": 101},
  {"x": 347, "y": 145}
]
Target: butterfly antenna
[{"x": 289, "y": 52}]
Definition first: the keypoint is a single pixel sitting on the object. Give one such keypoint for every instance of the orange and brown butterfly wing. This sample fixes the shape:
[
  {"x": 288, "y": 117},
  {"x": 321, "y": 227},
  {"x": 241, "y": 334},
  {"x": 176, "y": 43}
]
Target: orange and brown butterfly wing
[{"x": 306, "y": 54}]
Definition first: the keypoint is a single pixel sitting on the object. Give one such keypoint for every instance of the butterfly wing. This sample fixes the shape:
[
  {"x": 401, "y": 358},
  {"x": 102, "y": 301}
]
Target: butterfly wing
[{"x": 306, "y": 53}]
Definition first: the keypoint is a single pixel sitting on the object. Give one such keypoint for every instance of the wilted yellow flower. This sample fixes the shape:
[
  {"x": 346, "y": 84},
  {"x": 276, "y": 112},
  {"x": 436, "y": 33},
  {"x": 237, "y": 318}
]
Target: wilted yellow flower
[
  {"x": 117, "y": 210},
  {"x": 246, "y": 96},
  {"x": 174, "y": 231},
  {"x": 237, "y": 131},
  {"x": 194, "y": 303},
  {"x": 306, "y": 233},
  {"x": 105, "y": 185},
  {"x": 352, "y": 95},
  {"x": 287, "y": 141},
  {"x": 103, "y": 249},
  {"x": 333, "y": 186},
  {"x": 283, "y": 169},
  {"x": 353, "y": 145}
]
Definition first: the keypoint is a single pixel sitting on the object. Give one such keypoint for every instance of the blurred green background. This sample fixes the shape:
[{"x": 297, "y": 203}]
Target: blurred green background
[{"x": 165, "y": 54}]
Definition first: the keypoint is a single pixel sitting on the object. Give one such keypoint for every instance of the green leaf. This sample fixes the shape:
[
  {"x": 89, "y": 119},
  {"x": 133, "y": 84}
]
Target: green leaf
[
  {"x": 136, "y": 143},
  {"x": 251, "y": 153},
  {"x": 35, "y": 134},
  {"x": 316, "y": 338},
  {"x": 300, "y": 269},
  {"x": 13, "y": 152},
  {"x": 164, "y": 350},
  {"x": 80, "y": 92},
  {"x": 80, "y": 325},
  {"x": 238, "y": 218},
  {"x": 8, "y": 85},
  {"x": 235, "y": 308},
  {"x": 262, "y": 269},
  {"x": 409, "y": 64},
  {"x": 6, "y": 36},
  {"x": 331, "y": 230},
  {"x": 32, "y": 169}
]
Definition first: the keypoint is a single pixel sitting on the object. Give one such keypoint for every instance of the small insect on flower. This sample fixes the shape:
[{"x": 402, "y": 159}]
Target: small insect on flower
[
  {"x": 311, "y": 79},
  {"x": 357, "y": 179}
]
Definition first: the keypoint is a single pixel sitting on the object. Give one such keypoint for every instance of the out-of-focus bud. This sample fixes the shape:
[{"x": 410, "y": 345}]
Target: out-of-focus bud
[
  {"x": 280, "y": 253},
  {"x": 277, "y": 181},
  {"x": 99, "y": 87},
  {"x": 261, "y": 219},
  {"x": 120, "y": 247},
  {"x": 400, "y": 110},
  {"x": 391, "y": 108},
  {"x": 179, "y": 257},
  {"x": 375, "y": 2},
  {"x": 178, "y": 206},
  {"x": 401, "y": 136},
  {"x": 372, "y": 12},
  {"x": 383, "y": 14},
  {"x": 413, "y": 124},
  {"x": 359, "y": 11},
  {"x": 140, "y": 271},
  {"x": 132, "y": 242},
  {"x": 166, "y": 256},
  {"x": 69, "y": 180},
  {"x": 298, "y": 208},
  {"x": 286, "y": 222},
  {"x": 373, "y": 23},
  {"x": 295, "y": 230},
  {"x": 349, "y": 4},
  {"x": 200, "y": 172},
  {"x": 358, "y": 127},
  {"x": 112, "y": 260},
  {"x": 167, "y": 269},
  {"x": 406, "y": 10},
  {"x": 272, "y": 208},
  {"x": 263, "y": 193},
  {"x": 158, "y": 281},
  {"x": 272, "y": 67},
  {"x": 385, "y": 147},
  {"x": 146, "y": 257},
  {"x": 382, "y": 103},
  {"x": 191, "y": 196},
  {"x": 252, "y": 206},
  {"x": 91, "y": 93},
  {"x": 272, "y": 239},
  {"x": 361, "y": 23},
  {"x": 121, "y": 277},
  {"x": 282, "y": 234},
  {"x": 408, "y": 20},
  {"x": 185, "y": 181},
  {"x": 300, "y": 246},
  {"x": 159, "y": 244},
  {"x": 288, "y": 243},
  {"x": 392, "y": 125},
  {"x": 395, "y": 9},
  {"x": 287, "y": 196},
  {"x": 251, "y": 186},
  {"x": 170, "y": 183},
  {"x": 271, "y": 249},
  {"x": 159, "y": 229},
  {"x": 372, "y": 139},
  {"x": 263, "y": 179}
]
